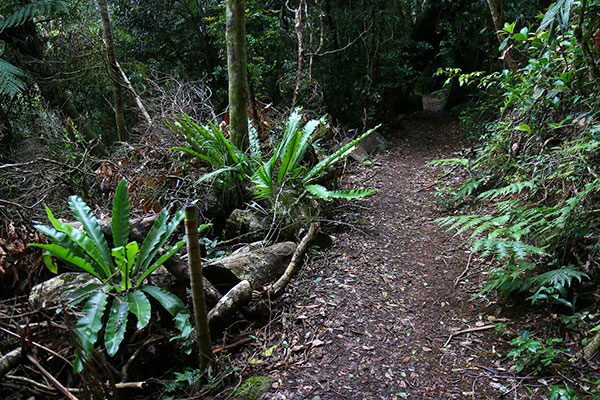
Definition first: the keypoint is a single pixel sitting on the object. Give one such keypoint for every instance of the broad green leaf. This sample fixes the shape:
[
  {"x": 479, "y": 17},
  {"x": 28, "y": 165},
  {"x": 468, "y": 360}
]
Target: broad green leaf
[
  {"x": 325, "y": 194},
  {"x": 168, "y": 254},
  {"x": 88, "y": 326},
  {"x": 131, "y": 250},
  {"x": 341, "y": 153},
  {"x": 150, "y": 242},
  {"x": 80, "y": 243},
  {"x": 120, "y": 258},
  {"x": 82, "y": 293},
  {"x": 120, "y": 218},
  {"x": 50, "y": 263},
  {"x": 165, "y": 234},
  {"x": 295, "y": 149},
  {"x": 116, "y": 326},
  {"x": 140, "y": 307},
  {"x": 61, "y": 239},
  {"x": 67, "y": 256},
  {"x": 524, "y": 127},
  {"x": 290, "y": 130},
  {"x": 173, "y": 305},
  {"x": 82, "y": 212},
  {"x": 160, "y": 261}
]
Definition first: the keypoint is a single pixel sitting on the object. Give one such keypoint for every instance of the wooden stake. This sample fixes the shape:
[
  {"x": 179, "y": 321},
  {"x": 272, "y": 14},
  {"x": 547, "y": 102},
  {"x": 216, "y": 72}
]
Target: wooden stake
[{"x": 197, "y": 284}]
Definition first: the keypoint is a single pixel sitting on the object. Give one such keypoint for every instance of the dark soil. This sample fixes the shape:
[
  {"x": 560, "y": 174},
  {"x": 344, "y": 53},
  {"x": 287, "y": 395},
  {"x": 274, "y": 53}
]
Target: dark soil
[{"x": 373, "y": 316}]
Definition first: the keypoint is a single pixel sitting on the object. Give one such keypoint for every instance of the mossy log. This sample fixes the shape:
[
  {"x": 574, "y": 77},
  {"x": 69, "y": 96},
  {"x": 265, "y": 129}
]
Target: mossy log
[{"x": 226, "y": 309}]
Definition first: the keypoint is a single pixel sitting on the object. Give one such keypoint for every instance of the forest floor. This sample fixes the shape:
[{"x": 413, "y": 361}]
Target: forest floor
[{"x": 386, "y": 312}]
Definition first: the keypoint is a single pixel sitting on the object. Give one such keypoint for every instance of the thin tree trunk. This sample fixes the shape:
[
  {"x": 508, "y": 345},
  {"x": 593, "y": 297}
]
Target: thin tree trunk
[
  {"x": 138, "y": 100},
  {"x": 498, "y": 25},
  {"x": 298, "y": 27},
  {"x": 197, "y": 284},
  {"x": 238, "y": 74},
  {"x": 113, "y": 72}
]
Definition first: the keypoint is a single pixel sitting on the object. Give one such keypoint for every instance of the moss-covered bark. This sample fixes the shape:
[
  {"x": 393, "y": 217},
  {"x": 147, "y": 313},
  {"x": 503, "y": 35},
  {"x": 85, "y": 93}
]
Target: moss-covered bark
[{"x": 238, "y": 75}]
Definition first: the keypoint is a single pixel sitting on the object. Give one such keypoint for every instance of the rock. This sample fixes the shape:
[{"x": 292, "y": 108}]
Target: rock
[
  {"x": 58, "y": 289},
  {"x": 372, "y": 144},
  {"x": 248, "y": 248},
  {"x": 243, "y": 221}
]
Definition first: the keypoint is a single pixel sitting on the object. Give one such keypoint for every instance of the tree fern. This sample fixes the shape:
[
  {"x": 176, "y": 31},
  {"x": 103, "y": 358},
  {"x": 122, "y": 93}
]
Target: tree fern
[
  {"x": 11, "y": 79},
  {"x": 27, "y": 12}
]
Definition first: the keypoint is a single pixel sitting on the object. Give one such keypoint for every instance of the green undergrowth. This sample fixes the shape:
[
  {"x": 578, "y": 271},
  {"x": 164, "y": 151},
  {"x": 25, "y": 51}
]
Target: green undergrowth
[{"x": 536, "y": 169}]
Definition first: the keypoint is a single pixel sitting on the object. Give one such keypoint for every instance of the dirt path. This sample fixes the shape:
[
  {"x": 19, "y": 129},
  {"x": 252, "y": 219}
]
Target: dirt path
[{"x": 371, "y": 317}]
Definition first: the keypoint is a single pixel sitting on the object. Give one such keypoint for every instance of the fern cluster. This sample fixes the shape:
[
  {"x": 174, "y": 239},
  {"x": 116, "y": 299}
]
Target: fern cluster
[{"x": 537, "y": 168}]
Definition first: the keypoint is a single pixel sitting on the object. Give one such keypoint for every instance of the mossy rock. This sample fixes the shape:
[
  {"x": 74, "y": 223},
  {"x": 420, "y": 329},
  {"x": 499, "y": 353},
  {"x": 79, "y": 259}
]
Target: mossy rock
[{"x": 254, "y": 387}]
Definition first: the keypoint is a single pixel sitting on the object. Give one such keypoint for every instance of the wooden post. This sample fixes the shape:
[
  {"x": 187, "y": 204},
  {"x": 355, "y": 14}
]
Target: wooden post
[{"x": 197, "y": 284}]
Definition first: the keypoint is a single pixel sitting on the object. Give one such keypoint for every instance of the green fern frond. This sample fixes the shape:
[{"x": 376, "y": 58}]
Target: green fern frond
[
  {"x": 468, "y": 188},
  {"x": 513, "y": 188},
  {"x": 450, "y": 161},
  {"x": 504, "y": 248},
  {"x": 27, "y": 12},
  {"x": 11, "y": 81},
  {"x": 561, "y": 276}
]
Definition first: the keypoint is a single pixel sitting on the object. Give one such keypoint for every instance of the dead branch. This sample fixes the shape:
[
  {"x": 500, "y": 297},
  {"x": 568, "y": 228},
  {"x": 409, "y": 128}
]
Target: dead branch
[
  {"x": 476, "y": 329},
  {"x": 233, "y": 345},
  {"x": 275, "y": 289},
  {"x": 33, "y": 359}
]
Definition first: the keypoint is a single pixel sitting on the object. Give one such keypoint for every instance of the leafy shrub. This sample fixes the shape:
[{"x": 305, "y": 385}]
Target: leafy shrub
[
  {"x": 284, "y": 171},
  {"x": 121, "y": 270},
  {"x": 533, "y": 353},
  {"x": 232, "y": 168},
  {"x": 562, "y": 393},
  {"x": 281, "y": 174},
  {"x": 536, "y": 166}
]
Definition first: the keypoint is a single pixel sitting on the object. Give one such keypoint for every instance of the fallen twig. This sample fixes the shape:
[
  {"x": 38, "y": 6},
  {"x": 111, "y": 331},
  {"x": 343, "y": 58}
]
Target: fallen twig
[
  {"x": 32, "y": 358},
  {"x": 119, "y": 386},
  {"x": 457, "y": 280},
  {"x": 476, "y": 329},
  {"x": 232, "y": 345}
]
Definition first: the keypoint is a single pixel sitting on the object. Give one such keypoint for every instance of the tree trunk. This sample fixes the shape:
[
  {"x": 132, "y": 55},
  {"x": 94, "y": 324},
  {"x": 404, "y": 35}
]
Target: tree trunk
[
  {"x": 498, "y": 25},
  {"x": 238, "y": 74},
  {"x": 113, "y": 72}
]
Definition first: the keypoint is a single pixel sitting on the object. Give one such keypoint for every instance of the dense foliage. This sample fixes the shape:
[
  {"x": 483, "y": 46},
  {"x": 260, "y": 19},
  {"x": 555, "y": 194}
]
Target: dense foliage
[{"x": 537, "y": 164}]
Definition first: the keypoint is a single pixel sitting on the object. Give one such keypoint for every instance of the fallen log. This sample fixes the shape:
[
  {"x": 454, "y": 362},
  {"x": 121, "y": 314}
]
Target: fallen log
[
  {"x": 229, "y": 305},
  {"x": 259, "y": 267},
  {"x": 10, "y": 360}
]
